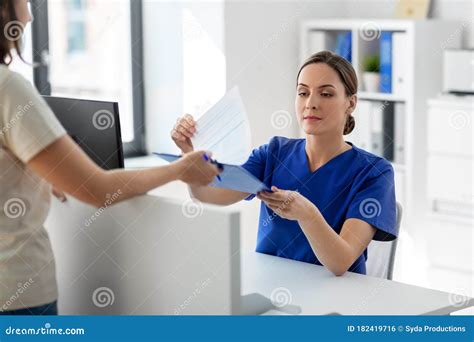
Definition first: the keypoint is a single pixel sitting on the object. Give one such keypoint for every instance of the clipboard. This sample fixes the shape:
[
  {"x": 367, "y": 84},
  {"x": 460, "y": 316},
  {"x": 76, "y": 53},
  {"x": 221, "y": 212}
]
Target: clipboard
[{"x": 233, "y": 177}]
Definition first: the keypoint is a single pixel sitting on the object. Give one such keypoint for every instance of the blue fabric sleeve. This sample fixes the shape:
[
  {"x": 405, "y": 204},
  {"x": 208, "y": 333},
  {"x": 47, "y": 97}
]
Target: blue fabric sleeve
[
  {"x": 256, "y": 164},
  {"x": 375, "y": 202}
]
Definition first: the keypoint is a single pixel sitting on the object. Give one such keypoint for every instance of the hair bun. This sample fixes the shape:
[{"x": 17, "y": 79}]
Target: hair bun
[{"x": 350, "y": 124}]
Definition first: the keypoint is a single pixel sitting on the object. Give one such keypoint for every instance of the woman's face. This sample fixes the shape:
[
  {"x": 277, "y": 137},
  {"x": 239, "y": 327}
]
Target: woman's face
[
  {"x": 321, "y": 103},
  {"x": 22, "y": 11}
]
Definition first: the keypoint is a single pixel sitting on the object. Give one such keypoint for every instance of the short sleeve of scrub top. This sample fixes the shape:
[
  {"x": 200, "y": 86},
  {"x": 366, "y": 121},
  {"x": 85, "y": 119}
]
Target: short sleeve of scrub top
[{"x": 354, "y": 184}]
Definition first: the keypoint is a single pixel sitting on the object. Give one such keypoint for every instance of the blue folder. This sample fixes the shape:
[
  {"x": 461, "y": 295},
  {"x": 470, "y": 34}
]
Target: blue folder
[
  {"x": 232, "y": 177},
  {"x": 386, "y": 62}
]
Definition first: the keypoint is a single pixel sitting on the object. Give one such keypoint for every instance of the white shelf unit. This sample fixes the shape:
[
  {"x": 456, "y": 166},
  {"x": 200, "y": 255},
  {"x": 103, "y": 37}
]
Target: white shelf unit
[
  {"x": 425, "y": 41},
  {"x": 380, "y": 97},
  {"x": 450, "y": 185}
]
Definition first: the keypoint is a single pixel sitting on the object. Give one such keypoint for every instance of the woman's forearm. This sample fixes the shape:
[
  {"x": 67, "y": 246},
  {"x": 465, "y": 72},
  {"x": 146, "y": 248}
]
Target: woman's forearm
[
  {"x": 217, "y": 196},
  {"x": 124, "y": 184},
  {"x": 328, "y": 246}
]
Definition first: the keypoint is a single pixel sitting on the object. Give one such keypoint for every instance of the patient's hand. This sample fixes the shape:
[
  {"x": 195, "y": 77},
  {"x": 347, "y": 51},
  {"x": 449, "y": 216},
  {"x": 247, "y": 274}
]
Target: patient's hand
[{"x": 182, "y": 133}]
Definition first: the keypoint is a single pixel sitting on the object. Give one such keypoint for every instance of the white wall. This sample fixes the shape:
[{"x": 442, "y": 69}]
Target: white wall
[{"x": 262, "y": 48}]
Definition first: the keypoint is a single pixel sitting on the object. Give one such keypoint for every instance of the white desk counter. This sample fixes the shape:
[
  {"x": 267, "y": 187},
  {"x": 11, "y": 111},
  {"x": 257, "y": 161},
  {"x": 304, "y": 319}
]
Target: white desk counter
[
  {"x": 318, "y": 292},
  {"x": 124, "y": 249}
]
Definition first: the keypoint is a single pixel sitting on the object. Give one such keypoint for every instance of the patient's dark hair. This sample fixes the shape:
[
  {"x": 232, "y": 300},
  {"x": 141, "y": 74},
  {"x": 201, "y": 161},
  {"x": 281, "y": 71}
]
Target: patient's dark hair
[
  {"x": 346, "y": 73},
  {"x": 11, "y": 32}
]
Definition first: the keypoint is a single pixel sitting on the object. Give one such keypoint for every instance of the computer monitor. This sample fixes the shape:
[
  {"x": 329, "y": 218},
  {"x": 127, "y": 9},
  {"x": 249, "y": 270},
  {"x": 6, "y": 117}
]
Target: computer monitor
[{"x": 94, "y": 126}]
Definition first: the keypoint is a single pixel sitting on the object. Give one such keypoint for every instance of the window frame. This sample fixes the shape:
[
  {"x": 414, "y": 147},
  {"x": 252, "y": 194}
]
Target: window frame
[{"x": 40, "y": 44}]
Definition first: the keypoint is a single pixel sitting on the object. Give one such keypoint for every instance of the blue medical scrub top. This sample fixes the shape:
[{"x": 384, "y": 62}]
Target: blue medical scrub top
[{"x": 354, "y": 184}]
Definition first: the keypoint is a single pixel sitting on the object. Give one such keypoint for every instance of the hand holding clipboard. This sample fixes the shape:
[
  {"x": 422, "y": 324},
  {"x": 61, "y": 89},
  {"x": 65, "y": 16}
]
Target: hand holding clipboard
[{"x": 233, "y": 177}]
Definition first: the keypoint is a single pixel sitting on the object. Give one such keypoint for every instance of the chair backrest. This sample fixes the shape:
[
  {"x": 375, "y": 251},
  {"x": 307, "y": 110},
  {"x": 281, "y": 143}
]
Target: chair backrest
[{"x": 381, "y": 254}]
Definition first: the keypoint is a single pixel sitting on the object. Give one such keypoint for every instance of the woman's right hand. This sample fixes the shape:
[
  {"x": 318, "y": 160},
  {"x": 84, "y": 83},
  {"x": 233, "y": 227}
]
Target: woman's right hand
[
  {"x": 195, "y": 169},
  {"x": 182, "y": 133}
]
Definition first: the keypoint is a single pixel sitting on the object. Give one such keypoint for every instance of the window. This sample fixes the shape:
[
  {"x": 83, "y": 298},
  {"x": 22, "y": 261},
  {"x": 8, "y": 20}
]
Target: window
[
  {"x": 185, "y": 63},
  {"x": 76, "y": 26},
  {"x": 91, "y": 56}
]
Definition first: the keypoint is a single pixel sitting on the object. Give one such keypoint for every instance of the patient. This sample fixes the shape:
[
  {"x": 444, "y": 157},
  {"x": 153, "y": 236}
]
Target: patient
[{"x": 330, "y": 198}]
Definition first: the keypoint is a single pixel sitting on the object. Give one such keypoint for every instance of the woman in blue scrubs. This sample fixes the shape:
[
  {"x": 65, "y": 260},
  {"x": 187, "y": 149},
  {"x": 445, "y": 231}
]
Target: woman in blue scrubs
[{"x": 329, "y": 198}]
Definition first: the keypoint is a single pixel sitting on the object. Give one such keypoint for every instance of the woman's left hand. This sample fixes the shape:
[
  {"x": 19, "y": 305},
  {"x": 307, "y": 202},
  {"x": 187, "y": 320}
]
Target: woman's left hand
[{"x": 288, "y": 204}]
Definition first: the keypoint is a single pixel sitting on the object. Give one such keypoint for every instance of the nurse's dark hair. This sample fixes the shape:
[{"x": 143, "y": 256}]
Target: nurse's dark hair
[
  {"x": 346, "y": 73},
  {"x": 11, "y": 32}
]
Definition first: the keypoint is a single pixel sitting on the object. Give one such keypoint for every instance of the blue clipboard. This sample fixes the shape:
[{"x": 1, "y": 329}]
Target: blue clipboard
[{"x": 232, "y": 177}]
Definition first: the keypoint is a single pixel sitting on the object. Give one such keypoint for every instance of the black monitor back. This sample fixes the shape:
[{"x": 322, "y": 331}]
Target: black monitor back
[{"x": 94, "y": 126}]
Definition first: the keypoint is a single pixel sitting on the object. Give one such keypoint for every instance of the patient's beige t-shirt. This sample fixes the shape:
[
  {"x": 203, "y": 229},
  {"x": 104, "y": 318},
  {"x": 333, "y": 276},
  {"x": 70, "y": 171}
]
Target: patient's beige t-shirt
[{"x": 27, "y": 126}]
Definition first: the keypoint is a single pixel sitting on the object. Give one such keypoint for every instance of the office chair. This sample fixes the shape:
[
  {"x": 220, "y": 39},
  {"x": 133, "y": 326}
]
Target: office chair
[{"x": 381, "y": 254}]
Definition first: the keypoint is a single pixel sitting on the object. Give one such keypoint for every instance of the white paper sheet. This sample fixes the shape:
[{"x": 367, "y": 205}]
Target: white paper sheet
[{"x": 224, "y": 130}]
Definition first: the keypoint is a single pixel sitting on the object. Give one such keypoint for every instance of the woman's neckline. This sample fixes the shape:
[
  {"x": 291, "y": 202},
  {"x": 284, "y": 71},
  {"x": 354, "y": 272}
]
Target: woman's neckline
[{"x": 337, "y": 156}]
